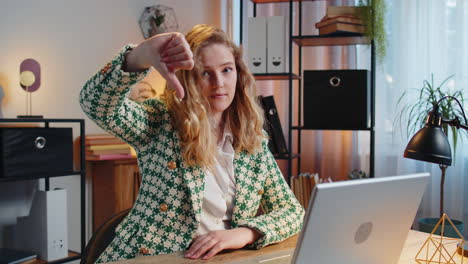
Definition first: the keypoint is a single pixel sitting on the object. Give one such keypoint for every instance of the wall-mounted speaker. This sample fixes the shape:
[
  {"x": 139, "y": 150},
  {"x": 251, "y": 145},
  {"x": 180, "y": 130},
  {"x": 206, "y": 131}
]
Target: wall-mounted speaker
[{"x": 337, "y": 99}]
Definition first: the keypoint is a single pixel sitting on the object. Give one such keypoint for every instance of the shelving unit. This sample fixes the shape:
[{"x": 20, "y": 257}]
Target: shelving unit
[
  {"x": 72, "y": 255},
  {"x": 310, "y": 41}
]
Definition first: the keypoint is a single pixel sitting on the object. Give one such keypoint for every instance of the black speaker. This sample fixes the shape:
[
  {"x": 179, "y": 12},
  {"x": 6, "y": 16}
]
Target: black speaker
[
  {"x": 337, "y": 99},
  {"x": 277, "y": 143},
  {"x": 29, "y": 151}
]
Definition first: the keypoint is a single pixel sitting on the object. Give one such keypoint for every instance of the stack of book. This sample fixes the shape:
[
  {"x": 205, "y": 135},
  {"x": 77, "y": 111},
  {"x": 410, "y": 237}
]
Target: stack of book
[
  {"x": 107, "y": 147},
  {"x": 303, "y": 184},
  {"x": 341, "y": 20}
]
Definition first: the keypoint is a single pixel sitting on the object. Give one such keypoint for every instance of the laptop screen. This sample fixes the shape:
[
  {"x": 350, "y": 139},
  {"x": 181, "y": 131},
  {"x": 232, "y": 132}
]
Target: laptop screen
[{"x": 360, "y": 221}]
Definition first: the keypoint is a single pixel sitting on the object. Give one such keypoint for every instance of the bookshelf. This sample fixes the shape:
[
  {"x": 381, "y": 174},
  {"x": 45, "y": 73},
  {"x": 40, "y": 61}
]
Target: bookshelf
[
  {"x": 81, "y": 172},
  {"x": 295, "y": 79}
]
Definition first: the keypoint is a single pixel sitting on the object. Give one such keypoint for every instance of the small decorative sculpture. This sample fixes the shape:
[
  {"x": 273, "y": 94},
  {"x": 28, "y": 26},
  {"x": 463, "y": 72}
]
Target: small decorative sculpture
[
  {"x": 434, "y": 249},
  {"x": 30, "y": 80},
  {"x": 357, "y": 174},
  {"x": 157, "y": 19}
]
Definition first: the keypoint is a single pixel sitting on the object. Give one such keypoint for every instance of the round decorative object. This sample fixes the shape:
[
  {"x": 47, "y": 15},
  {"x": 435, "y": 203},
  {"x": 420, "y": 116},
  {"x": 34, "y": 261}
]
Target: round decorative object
[
  {"x": 157, "y": 19},
  {"x": 30, "y": 75},
  {"x": 27, "y": 78},
  {"x": 357, "y": 174},
  {"x": 30, "y": 81}
]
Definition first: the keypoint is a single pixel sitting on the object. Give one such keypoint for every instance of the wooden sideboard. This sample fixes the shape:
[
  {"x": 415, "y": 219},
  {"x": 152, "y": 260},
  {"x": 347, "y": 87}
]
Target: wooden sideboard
[{"x": 115, "y": 185}]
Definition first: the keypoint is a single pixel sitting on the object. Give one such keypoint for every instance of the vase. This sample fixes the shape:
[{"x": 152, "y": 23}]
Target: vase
[{"x": 428, "y": 224}]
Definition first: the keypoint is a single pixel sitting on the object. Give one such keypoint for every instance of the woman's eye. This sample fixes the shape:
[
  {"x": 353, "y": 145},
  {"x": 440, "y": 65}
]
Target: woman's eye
[
  {"x": 205, "y": 74},
  {"x": 228, "y": 69}
]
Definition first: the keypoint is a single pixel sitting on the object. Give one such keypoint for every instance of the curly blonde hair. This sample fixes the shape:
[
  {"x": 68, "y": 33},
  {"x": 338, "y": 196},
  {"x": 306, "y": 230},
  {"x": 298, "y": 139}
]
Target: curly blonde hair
[{"x": 191, "y": 116}]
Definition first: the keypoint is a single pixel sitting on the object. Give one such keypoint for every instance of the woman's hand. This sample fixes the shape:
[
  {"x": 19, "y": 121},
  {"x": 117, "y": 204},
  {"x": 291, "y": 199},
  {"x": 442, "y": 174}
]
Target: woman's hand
[
  {"x": 167, "y": 53},
  {"x": 213, "y": 242}
]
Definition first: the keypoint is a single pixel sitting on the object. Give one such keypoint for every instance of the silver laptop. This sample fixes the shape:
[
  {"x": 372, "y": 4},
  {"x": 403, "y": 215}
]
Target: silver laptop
[{"x": 357, "y": 221}]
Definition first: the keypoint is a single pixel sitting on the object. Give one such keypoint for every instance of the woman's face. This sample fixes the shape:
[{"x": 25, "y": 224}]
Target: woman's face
[{"x": 218, "y": 77}]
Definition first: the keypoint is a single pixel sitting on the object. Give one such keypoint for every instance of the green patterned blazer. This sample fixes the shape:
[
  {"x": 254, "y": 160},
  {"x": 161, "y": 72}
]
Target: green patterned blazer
[{"x": 167, "y": 211}]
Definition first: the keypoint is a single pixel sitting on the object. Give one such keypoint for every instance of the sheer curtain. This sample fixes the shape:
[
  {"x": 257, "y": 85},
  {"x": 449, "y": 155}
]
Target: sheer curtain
[{"x": 424, "y": 38}]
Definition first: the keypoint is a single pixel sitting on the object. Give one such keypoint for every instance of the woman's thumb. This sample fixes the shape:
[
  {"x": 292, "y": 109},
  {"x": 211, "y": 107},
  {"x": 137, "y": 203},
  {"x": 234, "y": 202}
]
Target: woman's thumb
[{"x": 174, "y": 84}]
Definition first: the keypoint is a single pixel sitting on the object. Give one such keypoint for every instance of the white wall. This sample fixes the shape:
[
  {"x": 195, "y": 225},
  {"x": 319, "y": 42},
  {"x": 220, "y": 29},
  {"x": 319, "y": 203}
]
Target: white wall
[{"x": 71, "y": 40}]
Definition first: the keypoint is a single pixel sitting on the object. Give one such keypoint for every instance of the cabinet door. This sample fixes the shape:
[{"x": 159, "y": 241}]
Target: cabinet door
[
  {"x": 125, "y": 185},
  {"x": 115, "y": 187}
]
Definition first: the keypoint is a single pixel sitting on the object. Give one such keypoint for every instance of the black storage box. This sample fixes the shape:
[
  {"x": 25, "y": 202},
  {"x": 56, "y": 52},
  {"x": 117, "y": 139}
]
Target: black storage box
[
  {"x": 30, "y": 151},
  {"x": 337, "y": 99}
]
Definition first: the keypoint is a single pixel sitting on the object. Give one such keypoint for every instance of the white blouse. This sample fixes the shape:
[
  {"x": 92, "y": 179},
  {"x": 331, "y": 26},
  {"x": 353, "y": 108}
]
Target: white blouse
[{"x": 220, "y": 189}]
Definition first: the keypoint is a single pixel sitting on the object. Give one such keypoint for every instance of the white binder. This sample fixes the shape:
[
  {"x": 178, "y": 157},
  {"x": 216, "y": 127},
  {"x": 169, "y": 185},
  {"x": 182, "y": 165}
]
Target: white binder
[
  {"x": 256, "y": 44},
  {"x": 277, "y": 44}
]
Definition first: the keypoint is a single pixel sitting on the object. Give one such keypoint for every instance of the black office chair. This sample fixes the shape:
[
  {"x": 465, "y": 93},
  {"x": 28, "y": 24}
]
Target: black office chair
[{"x": 102, "y": 238}]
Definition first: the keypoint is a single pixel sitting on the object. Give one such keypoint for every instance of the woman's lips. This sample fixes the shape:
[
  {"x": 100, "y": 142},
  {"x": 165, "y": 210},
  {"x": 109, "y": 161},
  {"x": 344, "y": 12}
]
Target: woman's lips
[{"x": 218, "y": 96}]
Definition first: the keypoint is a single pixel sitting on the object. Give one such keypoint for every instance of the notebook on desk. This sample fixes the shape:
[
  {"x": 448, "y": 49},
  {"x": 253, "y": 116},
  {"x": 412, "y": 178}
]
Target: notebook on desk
[{"x": 357, "y": 221}]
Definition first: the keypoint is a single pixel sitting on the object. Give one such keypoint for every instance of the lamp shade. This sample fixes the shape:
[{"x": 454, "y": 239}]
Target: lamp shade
[{"x": 430, "y": 144}]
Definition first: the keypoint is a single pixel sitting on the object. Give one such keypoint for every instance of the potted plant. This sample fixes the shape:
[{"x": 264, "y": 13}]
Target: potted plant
[
  {"x": 372, "y": 14},
  {"x": 412, "y": 116}
]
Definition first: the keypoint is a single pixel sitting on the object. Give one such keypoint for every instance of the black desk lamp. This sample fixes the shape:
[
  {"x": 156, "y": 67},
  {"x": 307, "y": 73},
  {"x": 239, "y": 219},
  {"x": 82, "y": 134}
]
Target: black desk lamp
[{"x": 430, "y": 143}]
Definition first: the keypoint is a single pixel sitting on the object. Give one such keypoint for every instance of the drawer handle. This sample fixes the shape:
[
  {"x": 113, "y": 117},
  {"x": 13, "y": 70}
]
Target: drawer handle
[
  {"x": 40, "y": 142},
  {"x": 335, "y": 81}
]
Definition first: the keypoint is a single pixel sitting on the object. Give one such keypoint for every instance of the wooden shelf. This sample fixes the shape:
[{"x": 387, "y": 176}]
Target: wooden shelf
[
  {"x": 275, "y": 76},
  {"x": 72, "y": 255},
  {"x": 42, "y": 120},
  {"x": 39, "y": 176},
  {"x": 334, "y": 129},
  {"x": 93, "y": 159},
  {"x": 316, "y": 40}
]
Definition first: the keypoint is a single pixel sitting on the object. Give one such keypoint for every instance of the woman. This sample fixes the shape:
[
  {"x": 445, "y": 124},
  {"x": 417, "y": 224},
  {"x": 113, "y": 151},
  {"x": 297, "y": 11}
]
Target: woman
[{"x": 206, "y": 168}]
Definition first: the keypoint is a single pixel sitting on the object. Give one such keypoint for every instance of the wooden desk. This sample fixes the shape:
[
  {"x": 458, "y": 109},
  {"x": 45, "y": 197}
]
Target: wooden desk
[{"x": 412, "y": 245}]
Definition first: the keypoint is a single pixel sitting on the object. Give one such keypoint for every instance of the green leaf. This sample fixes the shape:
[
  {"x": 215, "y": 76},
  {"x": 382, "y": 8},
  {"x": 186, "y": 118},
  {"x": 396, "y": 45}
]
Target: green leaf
[
  {"x": 454, "y": 140},
  {"x": 372, "y": 12}
]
